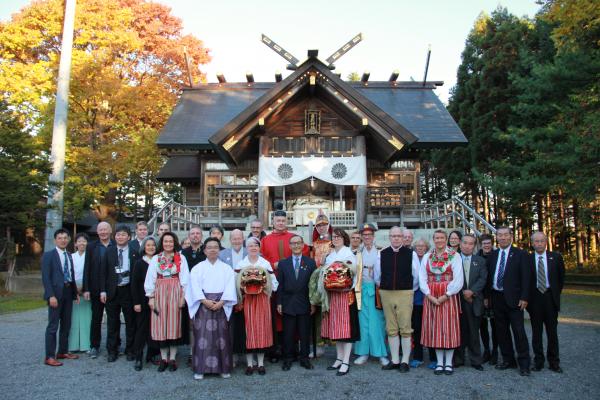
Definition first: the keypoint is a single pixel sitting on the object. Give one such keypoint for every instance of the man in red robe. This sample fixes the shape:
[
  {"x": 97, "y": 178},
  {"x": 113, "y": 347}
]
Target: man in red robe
[{"x": 275, "y": 247}]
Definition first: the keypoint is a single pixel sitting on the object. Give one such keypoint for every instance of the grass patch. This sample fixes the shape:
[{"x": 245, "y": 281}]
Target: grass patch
[
  {"x": 13, "y": 303},
  {"x": 580, "y": 303}
]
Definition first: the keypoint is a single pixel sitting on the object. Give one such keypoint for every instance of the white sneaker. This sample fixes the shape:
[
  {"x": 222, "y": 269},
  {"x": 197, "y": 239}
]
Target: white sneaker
[
  {"x": 361, "y": 360},
  {"x": 311, "y": 354},
  {"x": 198, "y": 377},
  {"x": 384, "y": 361},
  {"x": 225, "y": 376}
]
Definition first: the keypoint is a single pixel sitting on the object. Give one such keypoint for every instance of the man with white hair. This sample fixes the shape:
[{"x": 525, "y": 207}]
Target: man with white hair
[
  {"x": 397, "y": 276},
  {"x": 91, "y": 282},
  {"x": 407, "y": 238}
]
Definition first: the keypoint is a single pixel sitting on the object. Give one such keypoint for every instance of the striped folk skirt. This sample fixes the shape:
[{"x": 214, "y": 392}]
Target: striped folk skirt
[
  {"x": 341, "y": 322},
  {"x": 441, "y": 324},
  {"x": 167, "y": 324},
  {"x": 257, "y": 318}
]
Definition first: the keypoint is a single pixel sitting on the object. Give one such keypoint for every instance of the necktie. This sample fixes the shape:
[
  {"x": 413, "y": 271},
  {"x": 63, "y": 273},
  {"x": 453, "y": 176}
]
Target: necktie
[
  {"x": 66, "y": 271},
  {"x": 541, "y": 276},
  {"x": 467, "y": 268},
  {"x": 500, "y": 278},
  {"x": 120, "y": 258},
  {"x": 296, "y": 266}
]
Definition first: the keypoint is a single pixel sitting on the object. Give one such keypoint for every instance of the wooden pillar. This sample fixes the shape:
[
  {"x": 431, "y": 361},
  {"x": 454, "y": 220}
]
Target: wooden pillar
[
  {"x": 361, "y": 190},
  {"x": 361, "y": 204},
  {"x": 263, "y": 191}
]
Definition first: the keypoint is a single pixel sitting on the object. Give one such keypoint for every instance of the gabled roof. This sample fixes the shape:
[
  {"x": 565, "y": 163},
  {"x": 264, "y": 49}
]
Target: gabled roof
[{"x": 220, "y": 116}]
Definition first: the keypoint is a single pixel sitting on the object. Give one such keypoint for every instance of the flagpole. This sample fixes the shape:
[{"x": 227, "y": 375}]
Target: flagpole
[{"x": 54, "y": 215}]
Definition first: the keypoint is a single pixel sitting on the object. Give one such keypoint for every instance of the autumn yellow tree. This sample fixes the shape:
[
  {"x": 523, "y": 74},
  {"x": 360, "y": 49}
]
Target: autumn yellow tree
[{"x": 127, "y": 68}]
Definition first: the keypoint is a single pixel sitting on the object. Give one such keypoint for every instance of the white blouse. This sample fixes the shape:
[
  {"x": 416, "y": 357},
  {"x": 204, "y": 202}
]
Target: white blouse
[
  {"x": 261, "y": 262},
  {"x": 455, "y": 285},
  {"x": 78, "y": 266},
  {"x": 151, "y": 275}
]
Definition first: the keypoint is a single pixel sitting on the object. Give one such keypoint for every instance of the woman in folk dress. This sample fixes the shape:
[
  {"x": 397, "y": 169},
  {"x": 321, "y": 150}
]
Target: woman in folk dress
[
  {"x": 440, "y": 280},
  {"x": 257, "y": 308},
  {"x": 340, "y": 312},
  {"x": 165, "y": 282}
]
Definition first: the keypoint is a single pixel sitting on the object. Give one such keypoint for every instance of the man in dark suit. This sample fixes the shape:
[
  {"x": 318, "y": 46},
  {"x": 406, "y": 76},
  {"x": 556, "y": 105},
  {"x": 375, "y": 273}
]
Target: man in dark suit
[
  {"x": 548, "y": 278},
  {"x": 509, "y": 278},
  {"x": 293, "y": 303},
  {"x": 60, "y": 289},
  {"x": 115, "y": 293},
  {"x": 91, "y": 282},
  {"x": 490, "y": 353},
  {"x": 471, "y": 301},
  {"x": 141, "y": 231}
]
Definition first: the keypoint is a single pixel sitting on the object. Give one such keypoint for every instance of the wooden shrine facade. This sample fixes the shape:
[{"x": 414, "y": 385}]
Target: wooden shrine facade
[{"x": 311, "y": 141}]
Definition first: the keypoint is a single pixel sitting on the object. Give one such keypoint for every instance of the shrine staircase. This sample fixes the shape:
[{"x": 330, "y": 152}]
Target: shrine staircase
[{"x": 422, "y": 219}]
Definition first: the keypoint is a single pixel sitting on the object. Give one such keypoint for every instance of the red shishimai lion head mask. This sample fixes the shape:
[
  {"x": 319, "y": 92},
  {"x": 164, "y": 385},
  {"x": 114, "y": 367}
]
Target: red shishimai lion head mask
[
  {"x": 253, "y": 280},
  {"x": 338, "y": 275}
]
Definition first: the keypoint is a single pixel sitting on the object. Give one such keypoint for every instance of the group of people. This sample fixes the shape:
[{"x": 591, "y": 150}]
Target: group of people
[{"x": 274, "y": 296}]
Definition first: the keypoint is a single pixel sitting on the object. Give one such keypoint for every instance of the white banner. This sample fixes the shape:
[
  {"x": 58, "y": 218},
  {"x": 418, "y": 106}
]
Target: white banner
[{"x": 281, "y": 171}]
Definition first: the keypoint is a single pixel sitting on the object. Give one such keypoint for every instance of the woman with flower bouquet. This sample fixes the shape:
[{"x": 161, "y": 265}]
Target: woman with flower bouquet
[
  {"x": 440, "y": 280},
  {"x": 167, "y": 276},
  {"x": 340, "y": 311},
  {"x": 255, "y": 282}
]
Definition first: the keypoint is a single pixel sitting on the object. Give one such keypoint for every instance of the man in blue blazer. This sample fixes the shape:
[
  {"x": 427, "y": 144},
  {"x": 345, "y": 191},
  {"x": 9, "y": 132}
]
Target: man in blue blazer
[
  {"x": 508, "y": 288},
  {"x": 60, "y": 289},
  {"x": 293, "y": 303}
]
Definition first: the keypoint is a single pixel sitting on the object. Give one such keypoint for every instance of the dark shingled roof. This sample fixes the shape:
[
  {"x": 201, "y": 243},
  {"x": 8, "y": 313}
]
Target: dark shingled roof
[
  {"x": 200, "y": 113},
  {"x": 203, "y": 111},
  {"x": 180, "y": 168},
  {"x": 418, "y": 110}
]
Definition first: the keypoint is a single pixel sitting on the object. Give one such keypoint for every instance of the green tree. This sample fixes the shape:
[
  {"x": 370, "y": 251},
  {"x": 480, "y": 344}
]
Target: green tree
[
  {"x": 127, "y": 68},
  {"x": 23, "y": 173}
]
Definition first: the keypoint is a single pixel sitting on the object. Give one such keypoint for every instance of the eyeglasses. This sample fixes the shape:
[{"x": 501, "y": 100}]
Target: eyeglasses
[
  {"x": 296, "y": 243},
  {"x": 336, "y": 237}
]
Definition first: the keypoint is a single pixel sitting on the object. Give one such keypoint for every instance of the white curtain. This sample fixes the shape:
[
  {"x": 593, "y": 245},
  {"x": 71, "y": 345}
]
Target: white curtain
[{"x": 280, "y": 171}]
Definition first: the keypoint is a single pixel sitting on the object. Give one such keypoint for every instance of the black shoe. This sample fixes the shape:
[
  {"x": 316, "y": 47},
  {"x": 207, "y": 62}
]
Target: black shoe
[
  {"x": 340, "y": 373},
  {"x": 172, "y": 365},
  {"x": 524, "y": 372},
  {"x": 112, "y": 357},
  {"x": 163, "y": 365},
  {"x": 506, "y": 365},
  {"x": 439, "y": 370},
  {"x": 333, "y": 368},
  {"x": 486, "y": 356},
  {"x": 286, "y": 366},
  {"x": 390, "y": 366},
  {"x": 404, "y": 367},
  {"x": 556, "y": 368},
  {"x": 478, "y": 367},
  {"x": 537, "y": 367},
  {"x": 494, "y": 359},
  {"x": 261, "y": 370},
  {"x": 448, "y": 370},
  {"x": 306, "y": 364},
  {"x": 138, "y": 365},
  {"x": 249, "y": 371}
]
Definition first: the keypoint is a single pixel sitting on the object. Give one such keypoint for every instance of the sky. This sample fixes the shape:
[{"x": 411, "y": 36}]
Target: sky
[{"x": 396, "y": 34}]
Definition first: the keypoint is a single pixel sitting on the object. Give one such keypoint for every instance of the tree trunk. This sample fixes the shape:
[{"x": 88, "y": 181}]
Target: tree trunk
[
  {"x": 564, "y": 245},
  {"x": 540, "y": 211},
  {"x": 549, "y": 224},
  {"x": 578, "y": 234}
]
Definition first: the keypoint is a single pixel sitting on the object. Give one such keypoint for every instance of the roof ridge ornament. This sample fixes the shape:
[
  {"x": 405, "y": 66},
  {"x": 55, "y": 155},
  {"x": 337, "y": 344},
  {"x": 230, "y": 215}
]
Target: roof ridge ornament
[
  {"x": 293, "y": 61},
  {"x": 343, "y": 50}
]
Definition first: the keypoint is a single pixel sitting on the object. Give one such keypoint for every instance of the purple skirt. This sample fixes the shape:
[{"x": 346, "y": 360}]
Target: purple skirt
[{"x": 212, "y": 342}]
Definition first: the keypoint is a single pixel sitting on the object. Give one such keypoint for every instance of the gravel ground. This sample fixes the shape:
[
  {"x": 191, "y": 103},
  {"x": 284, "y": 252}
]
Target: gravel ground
[{"x": 24, "y": 376}]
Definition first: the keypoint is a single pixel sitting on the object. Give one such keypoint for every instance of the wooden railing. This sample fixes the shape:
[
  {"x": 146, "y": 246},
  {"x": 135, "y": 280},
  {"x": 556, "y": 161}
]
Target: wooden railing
[{"x": 455, "y": 213}]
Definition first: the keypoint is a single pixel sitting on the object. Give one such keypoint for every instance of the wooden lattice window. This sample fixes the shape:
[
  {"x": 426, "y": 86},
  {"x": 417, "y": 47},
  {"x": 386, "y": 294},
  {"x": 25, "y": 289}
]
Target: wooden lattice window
[
  {"x": 289, "y": 145},
  {"x": 335, "y": 144}
]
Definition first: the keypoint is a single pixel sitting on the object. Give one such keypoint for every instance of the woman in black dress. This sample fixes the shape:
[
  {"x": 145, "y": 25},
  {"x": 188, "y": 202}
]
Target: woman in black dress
[{"x": 140, "y": 305}]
